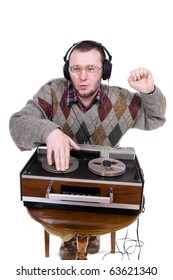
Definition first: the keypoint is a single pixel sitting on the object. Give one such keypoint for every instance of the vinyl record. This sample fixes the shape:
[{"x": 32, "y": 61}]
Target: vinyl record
[
  {"x": 73, "y": 165},
  {"x": 108, "y": 167}
]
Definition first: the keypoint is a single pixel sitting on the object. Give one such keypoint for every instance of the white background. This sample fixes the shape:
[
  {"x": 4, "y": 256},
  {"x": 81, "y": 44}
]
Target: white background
[{"x": 35, "y": 35}]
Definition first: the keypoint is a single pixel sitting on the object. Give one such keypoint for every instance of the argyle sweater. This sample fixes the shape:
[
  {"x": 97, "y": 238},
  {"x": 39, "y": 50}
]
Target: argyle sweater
[{"x": 103, "y": 124}]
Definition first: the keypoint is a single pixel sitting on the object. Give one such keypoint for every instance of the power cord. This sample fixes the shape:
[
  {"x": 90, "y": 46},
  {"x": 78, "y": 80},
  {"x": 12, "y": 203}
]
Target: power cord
[{"x": 129, "y": 245}]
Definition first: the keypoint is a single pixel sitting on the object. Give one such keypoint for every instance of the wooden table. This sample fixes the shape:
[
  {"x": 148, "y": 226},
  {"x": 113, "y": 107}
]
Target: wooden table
[{"x": 81, "y": 224}]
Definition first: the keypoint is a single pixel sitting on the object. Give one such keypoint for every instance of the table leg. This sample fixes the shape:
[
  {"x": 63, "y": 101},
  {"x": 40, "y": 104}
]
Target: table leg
[
  {"x": 82, "y": 242},
  {"x": 46, "y": 240},
  {"x": 113, "y": 238}
]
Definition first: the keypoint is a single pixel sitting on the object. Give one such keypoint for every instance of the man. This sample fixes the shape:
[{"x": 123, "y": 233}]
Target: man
[{"x": 80, "y": 109}]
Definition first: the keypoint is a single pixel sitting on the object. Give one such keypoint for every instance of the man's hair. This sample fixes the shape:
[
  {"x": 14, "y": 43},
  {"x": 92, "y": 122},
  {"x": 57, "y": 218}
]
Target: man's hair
[{"x": 85, "y": 46}]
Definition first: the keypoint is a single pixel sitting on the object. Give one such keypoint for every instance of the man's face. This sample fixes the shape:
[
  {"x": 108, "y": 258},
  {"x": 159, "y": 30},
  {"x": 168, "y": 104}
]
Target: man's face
[{"x": 85, "y": 80}]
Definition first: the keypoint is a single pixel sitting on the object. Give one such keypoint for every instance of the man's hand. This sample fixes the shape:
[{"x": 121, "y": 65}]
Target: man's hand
[
  {"x": 59, "y": 144},
  {"x": 141, "y": 80}
]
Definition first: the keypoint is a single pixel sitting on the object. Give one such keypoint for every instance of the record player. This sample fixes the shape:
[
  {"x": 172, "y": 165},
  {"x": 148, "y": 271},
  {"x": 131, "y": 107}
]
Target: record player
[{"x": 99, "y": 178}]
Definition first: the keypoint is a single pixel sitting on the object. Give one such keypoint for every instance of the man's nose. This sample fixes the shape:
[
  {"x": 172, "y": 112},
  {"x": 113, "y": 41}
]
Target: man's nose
[{"x": 83, "y": 74}]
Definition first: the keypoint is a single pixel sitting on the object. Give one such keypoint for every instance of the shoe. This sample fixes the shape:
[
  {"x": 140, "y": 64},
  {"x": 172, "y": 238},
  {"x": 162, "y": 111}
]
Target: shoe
[
  {"x": 68, "y": 249},
  {"x": 93, "y": 244}
]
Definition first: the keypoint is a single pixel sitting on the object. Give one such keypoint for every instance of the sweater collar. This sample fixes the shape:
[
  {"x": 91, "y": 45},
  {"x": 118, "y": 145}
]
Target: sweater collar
[{"x": 72, "y": 98}]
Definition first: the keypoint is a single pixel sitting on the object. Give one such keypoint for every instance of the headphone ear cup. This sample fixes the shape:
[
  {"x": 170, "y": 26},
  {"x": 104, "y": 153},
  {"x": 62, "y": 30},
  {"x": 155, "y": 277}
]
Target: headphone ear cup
[
  {"x": 66, "y": 70},
  {"x": 107, "y": 69}
]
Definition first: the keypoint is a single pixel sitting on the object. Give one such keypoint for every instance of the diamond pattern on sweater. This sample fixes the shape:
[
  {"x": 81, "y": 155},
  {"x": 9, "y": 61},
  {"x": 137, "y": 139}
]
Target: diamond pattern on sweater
[
  {"x": 47, "y": 108},
  {"x": 82, "y": 135},
  {"x": 105, "y": 108},
  {"x": 120, "y": 106},
  {"x": 99, "y": 135},
  {"x": 54, "y": 101},
  {"x": 134, "y": 106},
  {"x": 126, "y": 121},
  {"x": 67, "y": 130},
  {"x": 115, "y": 135},
  {"x": 65, "y": 109}
]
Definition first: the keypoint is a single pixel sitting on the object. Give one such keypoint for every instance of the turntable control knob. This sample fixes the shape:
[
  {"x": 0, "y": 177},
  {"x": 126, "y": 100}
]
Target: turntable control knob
[{"x": 106, "y": 163}]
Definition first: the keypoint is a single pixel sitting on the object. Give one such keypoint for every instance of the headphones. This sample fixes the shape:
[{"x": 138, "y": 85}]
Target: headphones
[{"x": 107, "y": 65}]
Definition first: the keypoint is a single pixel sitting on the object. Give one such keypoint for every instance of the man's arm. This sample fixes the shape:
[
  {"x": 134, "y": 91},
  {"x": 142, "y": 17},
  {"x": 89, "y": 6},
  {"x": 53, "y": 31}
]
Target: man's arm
[
  {"x": 30, "y": 126},
  {"x": 153, "y": 107}
]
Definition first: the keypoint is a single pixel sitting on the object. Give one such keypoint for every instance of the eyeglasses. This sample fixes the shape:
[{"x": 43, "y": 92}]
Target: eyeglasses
[{"x": 89, "y": 69}]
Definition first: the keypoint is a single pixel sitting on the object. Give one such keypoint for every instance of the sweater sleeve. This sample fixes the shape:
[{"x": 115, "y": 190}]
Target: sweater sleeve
[
  {"x": 152, "y": 112},
  {"x": 30, "y": 126}
]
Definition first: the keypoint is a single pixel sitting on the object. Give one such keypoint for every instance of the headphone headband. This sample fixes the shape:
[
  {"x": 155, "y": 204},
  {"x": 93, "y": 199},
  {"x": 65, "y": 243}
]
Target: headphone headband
[
  {"x": 107, "y": 65},
  {"x": 99, "y": 45}
]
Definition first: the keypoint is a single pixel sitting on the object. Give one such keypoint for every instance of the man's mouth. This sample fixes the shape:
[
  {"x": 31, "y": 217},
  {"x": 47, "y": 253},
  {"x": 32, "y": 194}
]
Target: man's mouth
[{"x": 83, "y": 86}]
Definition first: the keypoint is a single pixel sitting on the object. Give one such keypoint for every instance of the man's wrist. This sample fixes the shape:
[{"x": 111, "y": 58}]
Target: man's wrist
[{"x": 149, "y": 92}]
